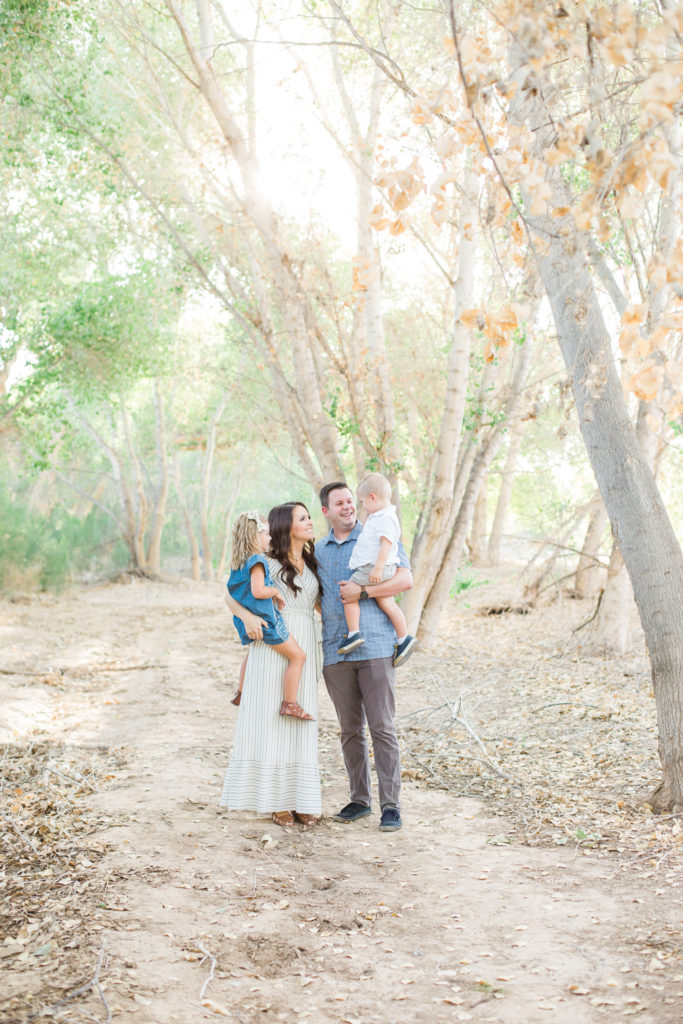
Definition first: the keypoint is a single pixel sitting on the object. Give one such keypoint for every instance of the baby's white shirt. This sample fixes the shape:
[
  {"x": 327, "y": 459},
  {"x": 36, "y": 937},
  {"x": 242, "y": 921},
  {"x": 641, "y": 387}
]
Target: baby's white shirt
[{"x": 383, "y": 523}]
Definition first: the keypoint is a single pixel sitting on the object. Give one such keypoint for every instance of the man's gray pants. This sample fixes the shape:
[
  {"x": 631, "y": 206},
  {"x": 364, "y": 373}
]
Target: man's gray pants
[{"x": 365, "y": 691}]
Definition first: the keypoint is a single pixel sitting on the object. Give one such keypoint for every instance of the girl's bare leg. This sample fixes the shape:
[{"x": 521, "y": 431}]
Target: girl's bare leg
[
  {"x": 238, "y": 692},
  {"x": 243, "y": 669},
  {"x": 296, "y": 658},
  {"x": 396, "y": 616},
  {"x": 290, "y": 707}
]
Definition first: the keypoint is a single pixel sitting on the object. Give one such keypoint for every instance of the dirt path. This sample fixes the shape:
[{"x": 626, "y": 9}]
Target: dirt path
[{"x": 204, "y": 914}]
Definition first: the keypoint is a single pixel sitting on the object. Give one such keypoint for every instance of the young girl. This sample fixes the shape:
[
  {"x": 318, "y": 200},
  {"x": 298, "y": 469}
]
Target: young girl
[{"x": 251, "y": 585}]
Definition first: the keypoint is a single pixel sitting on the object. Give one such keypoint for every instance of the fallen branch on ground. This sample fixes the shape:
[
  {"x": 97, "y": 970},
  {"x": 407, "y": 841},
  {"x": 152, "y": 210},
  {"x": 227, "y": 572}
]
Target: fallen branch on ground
[
  {"x": 208, "y": 981},
  {"x": 459, "y": 720}
]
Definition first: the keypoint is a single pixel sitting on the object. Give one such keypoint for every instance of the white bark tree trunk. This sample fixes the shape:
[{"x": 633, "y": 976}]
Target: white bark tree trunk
[
  {"x": 640, "y": 523},
  {"x": 477, "y": 539},
  {"x": 431, "y": 541},
  {"x": 229, "y": 515},
  {"x": 127, "y": 521},
  {"x": 589, "y": 573},
  {"x": 204, "y": 494},
  {"x": 439, "y": 593},
  {"x": 159, "y": 516},
  {"x": 195, "y": 559},
  {"x": 608, "y": 633},
  {"x": 506, "y": 484},
  {"x": 141, "y": 506},
  {"x": 649, "y": 547}
]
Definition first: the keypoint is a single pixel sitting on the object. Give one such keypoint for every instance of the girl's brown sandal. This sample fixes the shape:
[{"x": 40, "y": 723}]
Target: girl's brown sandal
[{"x": 291, "y": 709}]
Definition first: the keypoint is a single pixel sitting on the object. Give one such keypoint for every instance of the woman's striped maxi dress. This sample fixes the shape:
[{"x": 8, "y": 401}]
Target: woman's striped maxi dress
[{"x": 274, "y": 763}]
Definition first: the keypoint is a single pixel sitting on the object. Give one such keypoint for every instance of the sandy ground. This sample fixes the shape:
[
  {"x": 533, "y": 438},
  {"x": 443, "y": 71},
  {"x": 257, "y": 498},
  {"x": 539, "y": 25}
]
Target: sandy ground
[{"x": 204, "y": 914}]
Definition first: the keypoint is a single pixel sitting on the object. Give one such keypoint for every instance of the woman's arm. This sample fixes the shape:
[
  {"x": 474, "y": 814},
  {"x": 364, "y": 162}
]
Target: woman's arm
[
  {"x": 401, "y": 581},
  {"x": 252, "y": 623}
]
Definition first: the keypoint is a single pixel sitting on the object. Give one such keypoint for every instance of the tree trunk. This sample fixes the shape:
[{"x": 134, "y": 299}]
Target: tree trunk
[
  {"x": 640, "y": 523},
  {"x": 159, "y": 517},
  {"x": 206, "y": 485},
  {"x": 484, "y": 453},
  {"x": 639, "y": 519},
  {"x": 587, "y": 581},
  {"x": 127, "y": 522},
  {"x": 370, "y": 299},
  {"x": 195, "y": 559},
  {"x": 141, "y": 507},
  {"x": 506, "y": 484},
  {"x": 608, "y": 633},
  {"x": 431, "y": 541},
  {"x": 609, "y": 630},
  {"x": 439, "y": 593},
  {"x": 229, "y": 514},
  {"x": 477, "y": 540}
]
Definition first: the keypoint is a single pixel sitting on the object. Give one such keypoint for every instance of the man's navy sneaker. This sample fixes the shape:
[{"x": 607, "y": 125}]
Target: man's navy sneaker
[
  {"x": 403, "y": 651},
  {"x": 352, "y": 812},
  {"x": 391, "y": 820}
]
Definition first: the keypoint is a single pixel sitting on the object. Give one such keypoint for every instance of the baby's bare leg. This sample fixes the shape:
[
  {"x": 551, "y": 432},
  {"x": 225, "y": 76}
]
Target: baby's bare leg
[
  {"x": 352, "y": 616},
  {"x": 296, "y": 658},
  {"x": 396, "y": 616}
]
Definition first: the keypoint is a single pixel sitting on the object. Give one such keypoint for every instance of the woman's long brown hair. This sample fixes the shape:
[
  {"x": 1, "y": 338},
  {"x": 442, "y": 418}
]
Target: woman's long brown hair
[{"x": 280, "y": 521}]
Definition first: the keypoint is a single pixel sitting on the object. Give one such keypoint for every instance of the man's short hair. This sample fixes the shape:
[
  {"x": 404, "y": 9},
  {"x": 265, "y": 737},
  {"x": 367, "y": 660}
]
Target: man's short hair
[
  {"x": 325, "y": 491},
  {"x": 374, "y": 483}
]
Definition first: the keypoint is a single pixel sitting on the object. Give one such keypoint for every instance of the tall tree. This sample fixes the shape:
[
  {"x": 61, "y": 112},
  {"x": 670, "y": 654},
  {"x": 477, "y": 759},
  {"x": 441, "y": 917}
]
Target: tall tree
[{"x": 538, "y": 120}]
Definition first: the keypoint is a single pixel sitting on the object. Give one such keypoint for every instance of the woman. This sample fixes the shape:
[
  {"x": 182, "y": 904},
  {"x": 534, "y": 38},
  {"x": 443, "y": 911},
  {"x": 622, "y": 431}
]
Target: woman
[{"x": 274, "y": 763}]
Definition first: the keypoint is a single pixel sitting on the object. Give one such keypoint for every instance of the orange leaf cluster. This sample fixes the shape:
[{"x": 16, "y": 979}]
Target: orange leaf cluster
[
  {"x": 661, "y": 93},
  {"x": 379, "y": 220},
  {"x": 472, "y": 319},
  {"x": 497, "y": 328},
  {"x": 422, "y": 112},
  {"x": 402, "y": 185},
  {"x": 646, "y": 382}
]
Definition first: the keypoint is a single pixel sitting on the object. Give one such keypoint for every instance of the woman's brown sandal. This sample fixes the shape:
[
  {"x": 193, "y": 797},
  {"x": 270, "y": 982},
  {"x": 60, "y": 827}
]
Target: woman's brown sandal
[
  {"x": 283, "y": 818},
  {"x": 306, "y": 819},
  {"x": 237, "y": 698},
  {"x": 291, "y": 709}
]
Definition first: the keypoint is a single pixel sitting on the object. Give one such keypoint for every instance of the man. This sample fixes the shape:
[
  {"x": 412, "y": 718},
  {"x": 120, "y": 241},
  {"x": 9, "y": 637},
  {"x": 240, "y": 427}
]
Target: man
[{"x": 361, "y": 684}]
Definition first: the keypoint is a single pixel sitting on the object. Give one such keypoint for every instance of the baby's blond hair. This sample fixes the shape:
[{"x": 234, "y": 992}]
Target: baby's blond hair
[
  {"x": 374, "y": 483},
  {"x": 245, "y": 538}
]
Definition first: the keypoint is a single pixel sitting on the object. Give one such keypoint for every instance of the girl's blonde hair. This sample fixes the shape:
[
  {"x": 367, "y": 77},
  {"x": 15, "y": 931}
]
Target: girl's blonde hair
[{"x": 245, "y": 537}]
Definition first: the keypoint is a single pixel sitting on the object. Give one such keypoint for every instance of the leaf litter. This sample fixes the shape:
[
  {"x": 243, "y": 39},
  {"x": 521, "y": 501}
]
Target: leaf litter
[
  {"x": 50, "y": 890},
  {"x": 560, "y": 744}
]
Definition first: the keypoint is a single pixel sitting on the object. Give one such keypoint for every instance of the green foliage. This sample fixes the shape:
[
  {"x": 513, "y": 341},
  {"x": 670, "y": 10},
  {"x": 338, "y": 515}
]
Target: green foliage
[
  {"x": 49, "y": 550},
  {"x": 94, "y": 345},
  {"x": 105, "y": 337},
  {"x": 26, "y": 24},
  {"x": 465, "y": 580},
  {"x": 347, "y": 426}
]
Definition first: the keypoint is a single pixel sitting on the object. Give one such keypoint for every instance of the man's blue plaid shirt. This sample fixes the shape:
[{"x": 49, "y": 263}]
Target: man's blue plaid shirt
[{"x": 380, "y": 636}]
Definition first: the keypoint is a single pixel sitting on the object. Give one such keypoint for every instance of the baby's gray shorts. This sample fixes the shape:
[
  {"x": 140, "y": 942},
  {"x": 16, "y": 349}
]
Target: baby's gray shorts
[{"x": 361, "y": 575}]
